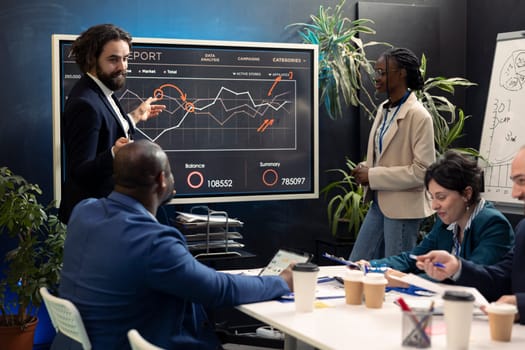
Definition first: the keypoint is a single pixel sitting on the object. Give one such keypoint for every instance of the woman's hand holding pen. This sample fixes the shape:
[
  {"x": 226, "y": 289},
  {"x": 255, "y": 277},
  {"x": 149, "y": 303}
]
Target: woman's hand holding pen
[
  {"x": 438, "y": 264},
  {"x": 360, "y": 174}
]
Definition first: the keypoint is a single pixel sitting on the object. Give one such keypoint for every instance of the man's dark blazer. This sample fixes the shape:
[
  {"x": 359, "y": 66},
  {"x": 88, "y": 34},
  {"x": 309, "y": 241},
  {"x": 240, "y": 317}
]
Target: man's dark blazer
[
  {"x": 507, "y": 277},
  {"x": 90, "y": 128}
]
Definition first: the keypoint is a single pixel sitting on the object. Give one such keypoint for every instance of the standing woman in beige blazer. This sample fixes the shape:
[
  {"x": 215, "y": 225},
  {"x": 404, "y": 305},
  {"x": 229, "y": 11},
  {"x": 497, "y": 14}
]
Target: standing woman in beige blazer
[{"x": 400, "y": 148}]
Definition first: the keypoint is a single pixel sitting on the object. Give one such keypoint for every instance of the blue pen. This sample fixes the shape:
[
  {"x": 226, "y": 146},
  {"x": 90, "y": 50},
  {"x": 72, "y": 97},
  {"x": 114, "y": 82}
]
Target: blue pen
[
  {"x": 436, "y": 264},
  {"x": 375, "y": 268},
  {"x": 339, "y": 260},
  {"x": 440, "y": 265},
  {"x": 324, "y": 279}
]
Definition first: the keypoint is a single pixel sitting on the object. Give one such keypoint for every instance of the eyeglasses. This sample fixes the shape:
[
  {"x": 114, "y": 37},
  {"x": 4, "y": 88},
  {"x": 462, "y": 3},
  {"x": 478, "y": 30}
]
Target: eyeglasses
[{"x": 378, "y": 73}]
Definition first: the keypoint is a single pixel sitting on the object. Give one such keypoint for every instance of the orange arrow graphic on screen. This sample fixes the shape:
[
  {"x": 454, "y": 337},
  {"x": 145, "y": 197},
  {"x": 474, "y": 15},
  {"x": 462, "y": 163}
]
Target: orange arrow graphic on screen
[
  {"x": 265, "y": 124},
  {"x": 160, "y": 93},
  {"x": 277, "y": 79}
]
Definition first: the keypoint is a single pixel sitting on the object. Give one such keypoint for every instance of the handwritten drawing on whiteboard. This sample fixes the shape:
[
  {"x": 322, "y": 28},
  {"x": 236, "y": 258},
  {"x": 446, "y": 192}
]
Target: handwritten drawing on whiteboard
[
  {"x": 512, "y": 76},
  {"x": 504, "y": 124}
]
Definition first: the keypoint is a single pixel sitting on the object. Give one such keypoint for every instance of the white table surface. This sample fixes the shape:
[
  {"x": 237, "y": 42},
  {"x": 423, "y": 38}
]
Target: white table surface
[{"x": 336, "y": 325}]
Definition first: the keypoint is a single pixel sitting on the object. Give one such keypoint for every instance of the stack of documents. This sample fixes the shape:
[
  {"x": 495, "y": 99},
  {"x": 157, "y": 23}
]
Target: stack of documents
[
  {"x": 189, "y": 218},
  {"x": 213, "y": 232}
]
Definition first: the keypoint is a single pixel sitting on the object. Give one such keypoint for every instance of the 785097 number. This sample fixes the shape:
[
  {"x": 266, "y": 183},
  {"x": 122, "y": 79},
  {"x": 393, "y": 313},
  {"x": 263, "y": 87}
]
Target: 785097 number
[{"x": 292, "y": 181}]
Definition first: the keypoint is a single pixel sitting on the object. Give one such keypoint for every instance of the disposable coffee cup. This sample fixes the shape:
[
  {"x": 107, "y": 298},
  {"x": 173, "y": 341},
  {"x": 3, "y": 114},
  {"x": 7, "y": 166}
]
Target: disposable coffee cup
[
  {"x": 353, "y": 281},
  {"x": 457, "y": 309},
  {"x": 501, "y": 320},
  {"x": 304, "y": 283},
  {"x": 374, "y": 289}
]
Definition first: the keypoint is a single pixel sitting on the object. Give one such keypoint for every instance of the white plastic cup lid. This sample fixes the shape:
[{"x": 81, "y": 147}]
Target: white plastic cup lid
[
  {"x": 353, "y": 275},
  {"x": 501, "y": 308},
  {"x": 374, "y": 278}
]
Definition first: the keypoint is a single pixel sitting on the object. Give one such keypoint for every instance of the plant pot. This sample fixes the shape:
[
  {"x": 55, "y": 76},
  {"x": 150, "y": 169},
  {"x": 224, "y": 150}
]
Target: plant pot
[
  {"x": 342, "y": 234},
  {"x": 17, "y": 337}
]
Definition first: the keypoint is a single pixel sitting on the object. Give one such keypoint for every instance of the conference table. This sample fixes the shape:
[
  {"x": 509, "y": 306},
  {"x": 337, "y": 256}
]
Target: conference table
[{"x": 335, "y": 325}]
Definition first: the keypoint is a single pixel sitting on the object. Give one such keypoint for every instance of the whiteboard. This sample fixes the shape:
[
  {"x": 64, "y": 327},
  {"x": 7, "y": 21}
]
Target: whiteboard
[{"x": 504, "y": 123}]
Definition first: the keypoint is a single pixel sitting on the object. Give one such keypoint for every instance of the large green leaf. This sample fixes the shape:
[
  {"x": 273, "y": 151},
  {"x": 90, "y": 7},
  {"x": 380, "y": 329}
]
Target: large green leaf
[{"x": 342, "y": 58}]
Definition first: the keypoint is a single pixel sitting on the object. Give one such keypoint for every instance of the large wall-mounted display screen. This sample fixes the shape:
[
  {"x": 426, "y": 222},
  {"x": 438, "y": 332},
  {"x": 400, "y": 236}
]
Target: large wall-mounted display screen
[{"x": 241, "y": 121}]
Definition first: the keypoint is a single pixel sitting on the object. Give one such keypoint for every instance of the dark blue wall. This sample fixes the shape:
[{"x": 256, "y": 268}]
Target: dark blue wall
[{"x": 25, "y": 61}]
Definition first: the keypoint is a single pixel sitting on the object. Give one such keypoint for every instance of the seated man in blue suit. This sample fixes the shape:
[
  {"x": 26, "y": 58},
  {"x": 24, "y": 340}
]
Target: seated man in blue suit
[
  {"x": 503, "y": 281},
  {"x": 124, "y": 270}
]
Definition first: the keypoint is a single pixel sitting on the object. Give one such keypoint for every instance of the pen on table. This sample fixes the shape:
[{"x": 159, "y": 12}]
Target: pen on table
[
  {"x": 436, "y": 264},
  {"x": 325, "y": 279},
  {"x": 343, "y": 261}
]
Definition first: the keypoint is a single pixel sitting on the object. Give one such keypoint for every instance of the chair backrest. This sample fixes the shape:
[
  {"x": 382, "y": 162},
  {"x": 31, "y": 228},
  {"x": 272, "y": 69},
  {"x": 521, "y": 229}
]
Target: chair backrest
[
  {"x": 138, "y": 343},
  {"x": 65, "y": 318}
]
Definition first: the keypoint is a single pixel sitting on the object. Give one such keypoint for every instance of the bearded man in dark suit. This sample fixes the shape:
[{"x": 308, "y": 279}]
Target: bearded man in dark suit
[{"x": 94, "y": 124}]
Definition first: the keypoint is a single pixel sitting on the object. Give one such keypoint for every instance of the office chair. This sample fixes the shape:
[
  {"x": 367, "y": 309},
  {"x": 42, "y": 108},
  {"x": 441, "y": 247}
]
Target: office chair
[
  {"x": 65, "y": 318},
  {"x": 138, "y": 343}
]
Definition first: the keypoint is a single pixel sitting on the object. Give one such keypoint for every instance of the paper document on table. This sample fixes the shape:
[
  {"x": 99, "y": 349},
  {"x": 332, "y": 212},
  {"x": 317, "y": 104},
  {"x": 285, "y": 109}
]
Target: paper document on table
[
  {"x": 332, "y": 288},
  {"x": 328, "y": 288},
  {"x": 440, "y": 288}
]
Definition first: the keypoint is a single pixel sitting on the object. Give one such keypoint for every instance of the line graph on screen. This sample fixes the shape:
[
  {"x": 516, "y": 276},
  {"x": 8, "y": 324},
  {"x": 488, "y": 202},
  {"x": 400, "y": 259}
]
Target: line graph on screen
[{"x": 253, "y": 114}]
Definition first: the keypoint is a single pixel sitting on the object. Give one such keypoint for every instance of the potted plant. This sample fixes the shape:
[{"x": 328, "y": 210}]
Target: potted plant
[
  {"x": 342, "y": 58},
  {"x": 346, "y": 205},
  {"x": 446, "y": 130},
  {"x": 35, "y": 260}
]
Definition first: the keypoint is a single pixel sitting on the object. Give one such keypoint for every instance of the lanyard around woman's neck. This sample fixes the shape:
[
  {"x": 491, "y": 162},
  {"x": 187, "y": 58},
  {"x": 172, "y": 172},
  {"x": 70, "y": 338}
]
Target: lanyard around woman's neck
[{"x": 387, "y": 122}]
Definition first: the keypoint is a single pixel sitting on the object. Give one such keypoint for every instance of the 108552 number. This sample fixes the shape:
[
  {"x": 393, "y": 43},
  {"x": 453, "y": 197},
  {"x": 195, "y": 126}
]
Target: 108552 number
[{"x": 220, "y": 183}]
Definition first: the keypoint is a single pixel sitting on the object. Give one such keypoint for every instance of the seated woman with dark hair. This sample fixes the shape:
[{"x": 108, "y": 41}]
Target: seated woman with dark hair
[{"x": 466, "y": 225}]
